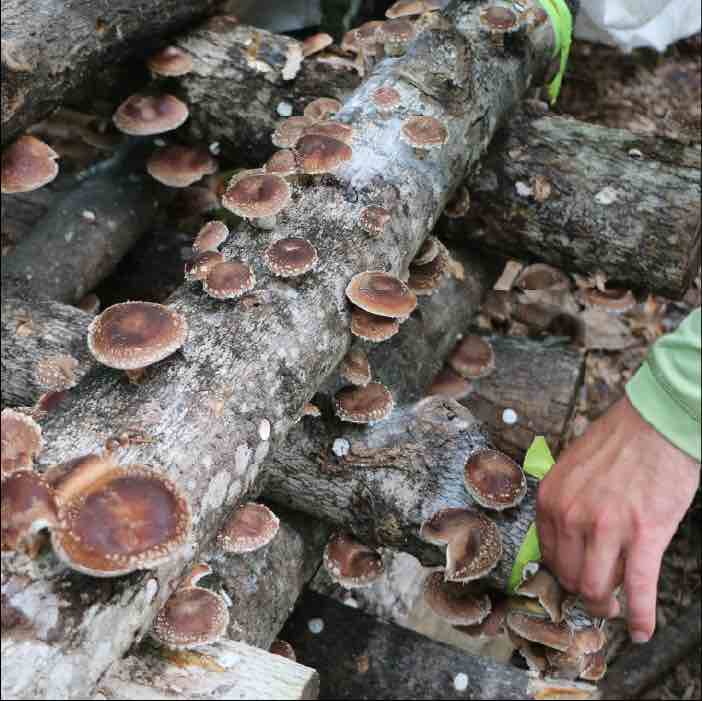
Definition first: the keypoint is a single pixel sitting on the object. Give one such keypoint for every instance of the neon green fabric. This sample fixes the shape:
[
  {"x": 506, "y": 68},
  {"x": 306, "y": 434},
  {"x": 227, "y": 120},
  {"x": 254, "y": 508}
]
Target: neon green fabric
[
  {"x": 667, "y": 390},
  {"x": 538, "y": 461},
  {"x": 562, "y": 22}
]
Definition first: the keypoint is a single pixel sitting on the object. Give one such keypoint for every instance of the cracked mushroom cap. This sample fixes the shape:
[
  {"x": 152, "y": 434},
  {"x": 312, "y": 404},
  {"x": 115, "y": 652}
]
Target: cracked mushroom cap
[
  {"x": 147, "y": 115},
  {"x": 540, "y": 276},
  {"x": 351, "y": 563},
  {"x": 211, "y": 237},
  {"x": 449, "y": 384},
  {"x": 251, "y": 527},
  {"x": 538, "y": 583},
  {"x": 257, "y": 195},
  {"x": 316, "y": 43},
  {"x": 373, "y": 220},
  {"x": 321, "y": 108},
  {"x": 28, "y": 506},
  {"x": 424, "y": 132},
  {"x": 457, "y": 603},
  {"x": 290, "y": 131},
  {"x": 318, "y": 153},
  {"x": 425, "y": 279},
  {"x": 473, "y": 358},
  {"x": 474, "y": 544},
  {"x": 229, "y": 280},
  {"x": 198, "y": 268},
  {"x": 363, "y": 405},
  {"x": 134, "y": 335},
  {"x": 282, "y": 648},
  {"x": 192, "y": 617},
  {"x": 386, "y": 98},
  {"x": 371, "y": 327},
  {"x": 282, "y": 163},
  {"x": 494, "y": 480},
  {"x": 171, "y": 62},
  {"x": 125, "y": 519},
  {"x": 381, "y": 294},
  {"x": 557, "y": 636},
  {"x": 27, "y": 165},
  {"x": 21, "y": 440},
  {"x": 355, "y": 368},
  {"x": 613, "y": 300},
  {"x": 290, "y": 257},
  {"x": 180, "y": 166}
]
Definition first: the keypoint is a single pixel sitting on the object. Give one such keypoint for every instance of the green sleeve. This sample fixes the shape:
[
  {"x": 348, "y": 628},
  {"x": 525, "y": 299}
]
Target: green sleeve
[{"x": 667, "y": 390}]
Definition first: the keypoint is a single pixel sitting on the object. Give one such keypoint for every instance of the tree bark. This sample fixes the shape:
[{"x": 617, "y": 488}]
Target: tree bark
[
  {"x": 246, "y": 368},
  {"x": 621, "y": 203},
  {"x": 50, "y": 48},
  {"x": 360, "y": 657}
]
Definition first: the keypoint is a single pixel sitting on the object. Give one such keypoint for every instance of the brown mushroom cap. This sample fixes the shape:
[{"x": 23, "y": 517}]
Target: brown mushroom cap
[
  {"x": 321, "y": 108},
  {"x": 449, "y": 384},
  {"x": 198, "y": 268},
  {"x": 363, "y": 405},
  {"x": 229, "y": 280},
  {"x": 424, "y": 132},
  {"x": 595, "y": 666},
  {"x": 171, "y": 62},
  {"x": 282, "y": 163},
  {"x": 538, "y": 583},
  {"x": 371, "y": 327},
  {"x": 355, "y": 368},
  {"x": 70, "y": 478},
  {"x": 351, "y": 563},
  {"x": 134, "y": 335},
  {"x": 396, "y": 31},
  {"x": 540, "y": 276},
  {"x": 290, "y": 131},
  {"x": 494, "y": 480},
  {"x": 282, "y": 648},
  {"x": 386, "y": 98},
  {"x": 474, "y": 544},
  {"x": 473, "y": 358},
  {"x": 28, "y": 506},
  {"x": 381, "y": 294},
  {"x": 317, "y": 154},
  {"x": 180, "y": 166},
  {"x": 374, "y": 219},
  {"x": 497, "y": 18},
  {"x": 426, "y": 279},
  {"x": 27, "y": 165},
  {"x": 429, "y": 250},
  {"x": 459, "y": 205},
  {"x": 310, "y": 409},
  {"x": 211, "y": 237},
  {"x": 251, "y": 527},
  {"x": 335, "y": 130},
  {"x": 290, "y": 257},
  {"x": 257, "y": 195},
  {"x": 316, "y": 43},
  {"x": 493, "y": 624},
  {"x": 612, "y": 300},
  {"x": 146, "y": 115},
  {"x": 127, "y": 519},
  {"x": 191, "y": 617},
  {"x": 367, "y": 33},
  {"x": 405, "y": 8},
  {"x": 557, "y": 636},
  {"x": 457, "y": 603},
  {"x": 21, "y": 440}
]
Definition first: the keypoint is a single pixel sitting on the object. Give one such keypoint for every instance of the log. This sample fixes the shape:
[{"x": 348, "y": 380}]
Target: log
[
  {"x": 359, "y": 657},
  {"x": 50, "y": 48},
  {"x": 252, "y": 366},
  {"x": 621, "y": 203},
  {"x": 227, "y": 670}
]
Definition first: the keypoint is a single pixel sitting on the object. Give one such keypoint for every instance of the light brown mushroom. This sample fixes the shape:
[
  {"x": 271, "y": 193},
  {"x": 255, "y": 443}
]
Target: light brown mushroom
[
  {"x": 428, "y": 251},
  {"x": 316, "y": 43},
  {"x": 374, "y": 220},
  {"x": 251, "y": 527},
  {"x": 595, "y": 666},
  {"x": 616, "y": 301},
  {"x": 494, "y": 624},
  {"x": 21, "y": 440},
  {"x": 322, "y": 108},
  {"x": 494, "y": 480},
  {"x": 381, "y": 294},
  {"x": 424, "y": 133},
  {"x": 499, "y": 21},
  {"x": 473, "y": 358},
  {"x": 541, "y": 276},
  {"x": 364, "y": 405},
  {"x": 290, "y": 257},
  {"x": 258, "y": 197},
  {"x": 395, "y": 35},
  {"x": 371, "y": 327},
  {"x": 229, "y": 280},
  {"x": 426, "y": 279},
  {"x": 28, "y": 164},
  {"x": 180, "y": 166},
  {"x": 211, "y": 236},
  {"x": 405, "y": 8},
  {"x": 290, "y": 131},
  {"x": 334, "y": 130},
  {"x": 557, "y": 636},
  {"x": 282, "y": 163},
  {"x": 318, "y": 154},
  {"x": 351, "y": 563},
  {"x": 171, "y": 62},
  {"x": 474, "y": 544},
  {"x": 449, "y": 384},
  {"x": 455, "y": 602},
  {"x": 147, "y": 115},
  {"x": 355, "y": 368},
  {"x": 282, "y": 648},
  {"x": 386, "y": 99},
  {"x": 538, "y": 583},
  {"x": 200, "y": 266}
]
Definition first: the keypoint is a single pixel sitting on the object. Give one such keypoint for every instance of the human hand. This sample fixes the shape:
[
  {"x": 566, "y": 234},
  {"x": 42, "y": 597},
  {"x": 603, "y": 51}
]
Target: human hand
[{"x": 608, "y": 509}]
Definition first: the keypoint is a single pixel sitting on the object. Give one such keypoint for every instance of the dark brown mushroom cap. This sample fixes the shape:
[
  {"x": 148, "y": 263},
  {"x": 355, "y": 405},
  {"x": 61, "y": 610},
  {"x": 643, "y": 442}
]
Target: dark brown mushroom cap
[
  {"x": 282, "y": 163},
  {"x": 557, "y": 636},
  {"x": 211, "y": 237},
  {"x": 611, "y": 299},
  {"x": 371, "y": 327},
  {"x": 134, "y": 335},
  {"x": 474, "y": 544},
  {"x": 494, "y": 623},
  {"x": 374, "y": 220},
  {"x": 335, "y": 130},
  {"x": 72, "y": 477},
  {"x": 198, "y": 268},
  {"x": 191, "y": 617},
  {"x": 27, "y": 165},
  {"x": 426, "y": 279},
  {"x": 538, "y": 583},
  {"x": 180, "y": 166},
  {"x": 449, "y": 384},
  {"x": 290, "y": 131},
  {"x": 405, "y": 8},
  {"x": 321, "y": 108},
  {"x": 424, "y": 132},
  {"x": 128, "y": 519},
  {"x": 229, "y": 280},
  {"x": 497, "y": 18},
  {"x": 282, "y": 648},
  {"x": 290, "y": 257},
  {"x": 317, "y": 153},
  {"x": 351, "y": 563},
  {"x": 355, "y": 368},
  {"x": 316, "y": 43},
  {"x": 28, "y": 506},
  {"x": 257, "y": 195},
  {"x": 251, "y": 527},
  {"x": 381, "y": 294},
  {"x": 473, "y": 357},
  {"x": 363, "y": 405},
  {"x": 20, "y": 439},
  {"x": 396, "y": 31},
  {"x": 386, "y": 98},
  {"x": 171, "y": 62},
  {"x": 459, "y": 205},
  {"x": 541, "y": 276},
  {"x": 494, "y": 480},
  {"x": 146, "y": 115},
  {"x": 533, "y": 653},
  {"x": 428, "y": 251},
  {"x": 457, "y": 603}
]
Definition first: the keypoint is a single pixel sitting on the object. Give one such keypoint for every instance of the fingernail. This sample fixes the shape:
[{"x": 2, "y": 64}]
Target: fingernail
[{"x": 639, "y": 638}]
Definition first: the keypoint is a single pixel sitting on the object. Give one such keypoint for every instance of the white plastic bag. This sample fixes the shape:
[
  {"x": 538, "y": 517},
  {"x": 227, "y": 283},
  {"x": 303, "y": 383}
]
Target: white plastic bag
[{"x": 632, "y": 23}]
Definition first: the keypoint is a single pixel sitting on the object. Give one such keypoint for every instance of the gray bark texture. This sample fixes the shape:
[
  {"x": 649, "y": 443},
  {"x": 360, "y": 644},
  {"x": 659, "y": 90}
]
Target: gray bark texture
[
  {"x": 360, "y": 657},
  {"x": 202, "y": 412},
  {"x": 625, "y": 204},
  {"x": 50, "y": 47}
]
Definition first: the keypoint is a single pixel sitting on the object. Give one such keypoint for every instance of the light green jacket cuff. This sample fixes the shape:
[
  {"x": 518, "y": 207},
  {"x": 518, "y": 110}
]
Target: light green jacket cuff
[{"x": 667, "y": 390}]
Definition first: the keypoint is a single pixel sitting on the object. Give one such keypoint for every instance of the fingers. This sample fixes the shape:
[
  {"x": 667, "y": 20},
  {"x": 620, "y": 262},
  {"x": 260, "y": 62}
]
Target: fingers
[
  {"x": 569, "y": 558},
  {"x": 643, "y": 567}
]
